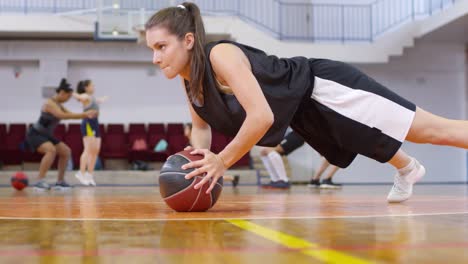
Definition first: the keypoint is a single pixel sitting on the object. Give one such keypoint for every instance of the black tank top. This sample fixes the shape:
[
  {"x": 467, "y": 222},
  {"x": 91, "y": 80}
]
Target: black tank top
[
  {"x": 47, "y": 122},
  {"x": 284, "y": 82}
]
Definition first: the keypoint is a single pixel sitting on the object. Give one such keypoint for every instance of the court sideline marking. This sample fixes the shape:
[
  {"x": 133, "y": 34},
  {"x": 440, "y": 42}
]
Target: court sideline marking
[{"x": 292, "y": 242}]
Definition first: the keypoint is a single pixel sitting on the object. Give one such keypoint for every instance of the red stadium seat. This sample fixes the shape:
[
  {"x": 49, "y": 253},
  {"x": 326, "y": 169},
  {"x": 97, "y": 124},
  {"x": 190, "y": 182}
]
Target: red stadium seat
[
  {"x": 156, "y": 132},
  {"x": 3, "y": 130},
  {"x": 29, "y": 156},
  {"x": 75, "y": 142},
  {"x": 176, "y": 143},
  {"x": 218, "y": 141},
  {"x": 136, "y": 129},
  {"x": 11, "y": 153},
  {"x": 59, "y": 132},
  {"x": 3, "y": 133},
  {"x": 115, "y": 146},
  {"x": 137, "y": 132},
  {"x": 175, "y": 129},
  {"x": 74, "y": 129},
  {"x": 115, "y": 129},
  {"x": 156, "y": 128}
]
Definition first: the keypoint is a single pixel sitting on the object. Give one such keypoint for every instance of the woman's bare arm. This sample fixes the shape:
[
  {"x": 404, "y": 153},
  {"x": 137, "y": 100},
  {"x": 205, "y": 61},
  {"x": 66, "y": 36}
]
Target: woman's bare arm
[
  {"x": 55, "y": 110},
  {"x": 232, "y": 66}
]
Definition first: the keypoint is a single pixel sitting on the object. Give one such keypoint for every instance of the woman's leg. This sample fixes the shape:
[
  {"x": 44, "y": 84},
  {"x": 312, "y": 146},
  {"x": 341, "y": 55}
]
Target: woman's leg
[
  {"x": 267, "y": 163},
  {"x": 323, "y": 166},
  {"x": 433, "y": 129},
  {"x": 326, "y": 182},
  {"x": 278, "y": 165},
  {"x": 85, "y": 155},
  {"x": 64, "y": 152},
  {"x": 48, "y": 149},
  {"x": 331, "y": 172},
  {"x": 400, "y": 160},
  {"x": 93, "y": 152},
  {"x": 94, "y": 149},
  {"x": 426, "y": 128},
  {"x": 409, "y": 172}
]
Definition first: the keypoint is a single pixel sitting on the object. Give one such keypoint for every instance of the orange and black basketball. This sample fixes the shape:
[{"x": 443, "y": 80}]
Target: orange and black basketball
[
  {"x": 19, "y": 181},
  {"x": 178, "y": 192}
]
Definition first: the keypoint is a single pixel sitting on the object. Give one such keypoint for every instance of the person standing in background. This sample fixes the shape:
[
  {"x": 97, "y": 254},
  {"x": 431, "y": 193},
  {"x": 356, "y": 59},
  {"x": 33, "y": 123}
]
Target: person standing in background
[{"x": 90, "y": 131}]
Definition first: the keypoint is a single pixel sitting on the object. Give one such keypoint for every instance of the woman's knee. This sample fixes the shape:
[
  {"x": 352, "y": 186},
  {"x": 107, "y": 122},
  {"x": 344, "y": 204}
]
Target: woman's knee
[
  {"x": 265, "y": 151},
  {"x": 50, "y": 151},
  {"x": 47, "y": 149},
  {"x": 95, "y": 148},
  {"x": 64, "y": 151},
  {"x": 93, "y": 151},
  {"x": 429, "y": 128}
]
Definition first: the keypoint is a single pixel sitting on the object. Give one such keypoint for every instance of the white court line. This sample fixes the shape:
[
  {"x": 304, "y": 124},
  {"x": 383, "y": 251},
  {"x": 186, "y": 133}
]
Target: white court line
[
  {"x": 88, "y": 200},
  {"x": 225, "y": 218}
]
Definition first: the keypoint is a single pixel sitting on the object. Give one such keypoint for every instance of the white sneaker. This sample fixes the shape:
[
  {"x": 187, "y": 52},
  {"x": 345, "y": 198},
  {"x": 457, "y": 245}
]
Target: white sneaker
[
  {"x": 41, "y": 186},
  {"x": 82, "y": 178},
  {"x": 90, "y": 179},
  {"x": 403, "y": 185}
]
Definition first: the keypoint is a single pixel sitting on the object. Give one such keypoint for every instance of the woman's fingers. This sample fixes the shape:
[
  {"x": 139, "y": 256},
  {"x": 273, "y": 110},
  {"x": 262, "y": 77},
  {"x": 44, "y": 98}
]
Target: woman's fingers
[
  {"x": 202, "y": 182},
  {"x": 209, "y": 166},
  {"x": 203, "y": 152},
  {"x": 194, "y": 173},
  {"x": 193, "y": 164},
  {"x": 212, "y": 185}
]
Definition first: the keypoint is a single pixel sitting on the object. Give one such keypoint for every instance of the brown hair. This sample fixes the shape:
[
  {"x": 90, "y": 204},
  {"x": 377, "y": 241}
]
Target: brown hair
[
  {"x": 81, "y": 87},
  {"x": 179, "y": 21}
]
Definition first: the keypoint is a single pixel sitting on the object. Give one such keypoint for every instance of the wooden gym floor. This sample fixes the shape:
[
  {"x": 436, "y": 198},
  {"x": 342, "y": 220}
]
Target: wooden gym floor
[{"x": 248, "y": 225}]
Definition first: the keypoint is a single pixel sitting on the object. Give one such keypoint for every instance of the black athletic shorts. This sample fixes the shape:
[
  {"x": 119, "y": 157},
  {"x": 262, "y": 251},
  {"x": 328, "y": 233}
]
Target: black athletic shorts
[{"x": 34, "y": 139}]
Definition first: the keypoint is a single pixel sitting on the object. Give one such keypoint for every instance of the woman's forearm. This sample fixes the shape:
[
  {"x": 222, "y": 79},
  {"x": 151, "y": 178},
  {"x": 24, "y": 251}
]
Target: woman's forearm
[
  {"x": 201, "y": 138},
  {"x": 74, "y": 115},
  {"x": 252, "y": 130}
]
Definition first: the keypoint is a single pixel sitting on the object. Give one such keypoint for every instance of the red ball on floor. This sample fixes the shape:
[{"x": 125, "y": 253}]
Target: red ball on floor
[
  {"x": 19, "y": 181},
  {"x": 179, "y": 193}
]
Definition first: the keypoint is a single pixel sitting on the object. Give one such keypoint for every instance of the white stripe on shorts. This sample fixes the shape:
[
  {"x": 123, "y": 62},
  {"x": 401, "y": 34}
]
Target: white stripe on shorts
[{"x": 364, "y": 107}]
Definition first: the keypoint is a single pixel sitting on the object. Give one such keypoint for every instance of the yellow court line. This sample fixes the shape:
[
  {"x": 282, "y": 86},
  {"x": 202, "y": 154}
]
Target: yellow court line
[{"x": 308, "y": 248}]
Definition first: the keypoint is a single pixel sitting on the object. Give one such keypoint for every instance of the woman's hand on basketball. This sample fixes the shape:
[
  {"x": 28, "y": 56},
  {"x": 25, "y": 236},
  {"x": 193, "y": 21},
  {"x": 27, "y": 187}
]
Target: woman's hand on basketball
[
  {"x": 211, "y": 164},
  {"x": 188, "y": 148}
]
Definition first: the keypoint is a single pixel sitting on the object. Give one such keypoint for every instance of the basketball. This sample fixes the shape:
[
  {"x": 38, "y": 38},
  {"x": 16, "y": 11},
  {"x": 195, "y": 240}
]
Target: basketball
[
  {"x": 19, "y": 181},
  {"x": 179, "y": 193}
]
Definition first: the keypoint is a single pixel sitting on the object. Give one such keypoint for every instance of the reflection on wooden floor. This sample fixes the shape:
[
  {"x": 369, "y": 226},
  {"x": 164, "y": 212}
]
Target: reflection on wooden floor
[{"x": 301, "y": 225}]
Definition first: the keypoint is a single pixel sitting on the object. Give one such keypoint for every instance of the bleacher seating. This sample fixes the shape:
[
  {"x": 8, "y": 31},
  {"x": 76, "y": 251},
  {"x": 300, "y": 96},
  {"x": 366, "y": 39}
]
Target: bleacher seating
[
  {"x": 175, "y": 129},
  {"x": 3, "y": 133},
  {"x": 115, "y": 129},
  {"x": 60, "y": 131},
  {"x": 13, "y": 155},
  {"x": 156, "y": 133},
  {"x": 137, "y": 132},
  {"x": 116, "y": 143},
  {"x": 74, "y": 140},
  {"x": 29, "y": 156},
  {"x": 74, "y": 129}
]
